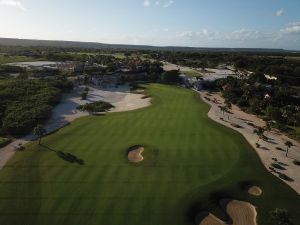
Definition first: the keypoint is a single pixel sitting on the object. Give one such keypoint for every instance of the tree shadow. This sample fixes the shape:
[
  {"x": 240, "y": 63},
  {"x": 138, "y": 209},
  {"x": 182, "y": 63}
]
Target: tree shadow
[
  {"x": 68, "y": 157},
  {"x": 197, "y": 212},
  {"x": 264, "y": 148},
  {"x": 245, "y": 185},
  {"x": 271, "y": 142}
]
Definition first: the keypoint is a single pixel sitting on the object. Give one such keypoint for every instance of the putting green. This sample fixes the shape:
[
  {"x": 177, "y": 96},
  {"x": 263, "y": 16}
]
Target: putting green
[{"x": 190, "y": 161}]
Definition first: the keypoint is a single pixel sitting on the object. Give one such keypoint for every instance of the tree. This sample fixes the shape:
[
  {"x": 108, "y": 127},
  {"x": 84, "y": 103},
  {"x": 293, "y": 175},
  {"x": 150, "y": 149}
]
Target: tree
[
  {"x": 171, "y": 76},
  {"x": 260, "y": 133},
  {"x": 288, "y": 145},
  {"x": 268, "y": 126},
  {"x": 223, "y": 108},
  {"x": 83, "y": 95},
  {"x": 39, "y": 130},
  {"x": 228, "y": 107}
]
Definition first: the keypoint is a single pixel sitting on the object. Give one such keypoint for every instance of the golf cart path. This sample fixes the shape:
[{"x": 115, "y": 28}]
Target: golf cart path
[
  {"x": 267, "y": 150},
  {"x": 66, "y": 112}
]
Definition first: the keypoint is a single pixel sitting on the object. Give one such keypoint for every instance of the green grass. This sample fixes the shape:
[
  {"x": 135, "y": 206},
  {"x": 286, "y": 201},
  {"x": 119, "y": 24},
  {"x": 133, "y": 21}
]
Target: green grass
[
  {"x": 293, "y": 57},
  {"x": 116, "y": 55},
  {"x": 188, "y": 157},
  {"x": 14, "y": 59},
  {"x": 192, "y": 73},
  {"x": 4, "y": 141}
]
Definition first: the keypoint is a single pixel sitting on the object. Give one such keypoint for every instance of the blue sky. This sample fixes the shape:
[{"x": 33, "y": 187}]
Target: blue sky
[{"x": 199, "y": 23}]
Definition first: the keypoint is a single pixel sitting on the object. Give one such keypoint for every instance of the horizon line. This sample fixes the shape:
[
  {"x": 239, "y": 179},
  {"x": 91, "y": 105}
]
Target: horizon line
[{"x": 146, "y": 45}]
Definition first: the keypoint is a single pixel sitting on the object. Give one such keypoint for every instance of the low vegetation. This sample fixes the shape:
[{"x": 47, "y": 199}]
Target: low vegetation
[
  {"x": 26, "y": 103},
  {"x": 4, "y": 59},
  {"x": 280, "y": 217},
  {"x": 96, "y": 107},
  {"x": 192, "y": 73}
]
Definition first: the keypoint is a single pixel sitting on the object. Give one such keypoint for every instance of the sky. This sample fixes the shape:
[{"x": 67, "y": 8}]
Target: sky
[{"x": 195, "y": 23}]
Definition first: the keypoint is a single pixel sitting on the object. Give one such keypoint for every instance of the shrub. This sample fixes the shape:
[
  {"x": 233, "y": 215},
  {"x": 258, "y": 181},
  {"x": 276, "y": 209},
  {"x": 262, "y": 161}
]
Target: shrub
[
  {"x": 95, "y": 107},
  {"x": 280, "y": 217},
  {"x": 83, "y": 95}
]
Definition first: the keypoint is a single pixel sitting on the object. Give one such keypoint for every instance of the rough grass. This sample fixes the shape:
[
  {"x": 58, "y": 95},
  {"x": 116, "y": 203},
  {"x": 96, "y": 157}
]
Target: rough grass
[
  {"x": 190, "y": 163},
  {"x": 192, "y": 73},
  {"x": 13, "y": 59}
]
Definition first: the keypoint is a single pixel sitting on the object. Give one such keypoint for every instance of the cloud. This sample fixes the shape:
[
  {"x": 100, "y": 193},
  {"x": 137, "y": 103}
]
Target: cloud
[
  {"x": 236, "y": 36},
  {"x": 13, "y": 3},
  {"x": 292, "y": 28},
  {"x": 168, "y": 4},
  {"x": 279, "y": 13},
  {"x": 244, "y": 34},
  {"x": 147, "y": 3},
  {"x": 161, "y": 3}
]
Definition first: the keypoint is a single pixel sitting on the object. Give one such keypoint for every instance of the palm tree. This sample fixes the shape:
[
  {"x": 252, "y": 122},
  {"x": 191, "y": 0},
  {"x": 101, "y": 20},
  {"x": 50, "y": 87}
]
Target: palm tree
[
  {"x": 228, "y": 107},
  {"x": 260, "y": 133},
  {"x": 223, "y": 108},
  {"x": 288, "y": 145},
  {"x": 268, "y": 126},
  {"x": 39, "y": 131}
]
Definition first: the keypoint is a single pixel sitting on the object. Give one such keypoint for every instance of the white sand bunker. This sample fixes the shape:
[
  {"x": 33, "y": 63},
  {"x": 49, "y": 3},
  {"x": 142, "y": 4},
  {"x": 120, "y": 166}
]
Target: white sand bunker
[
  {"x": 255, "y": 190},
  {"x": 135, "y": 154},
  {"x": 241, "y": 213}
]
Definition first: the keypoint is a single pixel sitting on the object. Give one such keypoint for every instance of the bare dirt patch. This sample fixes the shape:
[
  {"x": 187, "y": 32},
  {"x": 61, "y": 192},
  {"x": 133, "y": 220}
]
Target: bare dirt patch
[
  {"x": 255, "y": 190},
  {"x": 135, "y": 154}
]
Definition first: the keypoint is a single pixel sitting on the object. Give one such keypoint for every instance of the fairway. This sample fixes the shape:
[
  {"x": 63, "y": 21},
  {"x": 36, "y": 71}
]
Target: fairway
[{"x": 188, "y": 161}]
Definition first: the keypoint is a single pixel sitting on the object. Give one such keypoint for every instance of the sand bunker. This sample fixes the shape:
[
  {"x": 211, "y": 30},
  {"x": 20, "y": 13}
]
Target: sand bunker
[
  {"x": 212, "y": 220},
  {"x": 135, "y": 154},
  {"x": 241, "y": 213},
  {"x": 254, "y": 190}
]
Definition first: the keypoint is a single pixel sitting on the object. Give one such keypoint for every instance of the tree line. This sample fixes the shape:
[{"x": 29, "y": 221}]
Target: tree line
[{"x": 26, "y": 103}]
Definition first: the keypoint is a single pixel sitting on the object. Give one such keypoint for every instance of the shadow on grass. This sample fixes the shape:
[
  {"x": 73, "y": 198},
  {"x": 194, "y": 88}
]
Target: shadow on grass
[
  {"x": 245, "y": 185},
  {"x": 197, "y": 211},
  {"x": 68, "y": 157}
]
